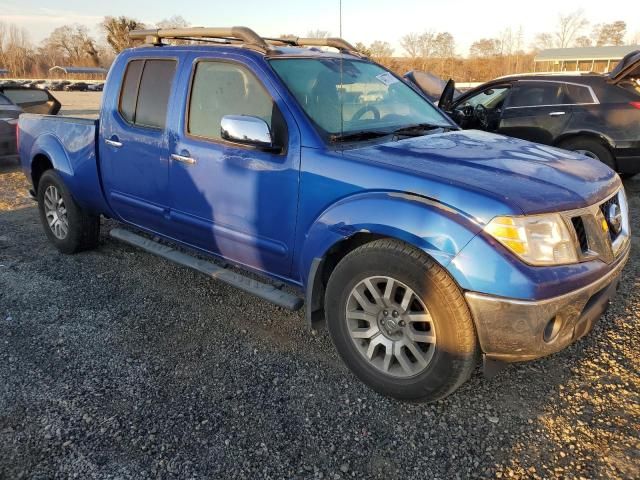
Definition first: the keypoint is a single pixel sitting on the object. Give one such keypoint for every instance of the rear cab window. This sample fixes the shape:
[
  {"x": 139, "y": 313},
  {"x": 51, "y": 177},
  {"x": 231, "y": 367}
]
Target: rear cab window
[{"x": 145, "y": 91}]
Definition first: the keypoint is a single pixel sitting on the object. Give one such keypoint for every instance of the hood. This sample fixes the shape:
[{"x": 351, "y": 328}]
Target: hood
[{"x": 525, "y": 176}]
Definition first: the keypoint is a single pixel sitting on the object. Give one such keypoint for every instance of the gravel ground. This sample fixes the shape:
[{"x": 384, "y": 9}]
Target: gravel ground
[{"x": 117, "y": 364}]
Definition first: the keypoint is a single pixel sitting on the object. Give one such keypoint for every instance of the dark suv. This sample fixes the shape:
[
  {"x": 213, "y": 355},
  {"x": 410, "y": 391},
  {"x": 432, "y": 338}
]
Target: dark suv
[{"x": 594, "y": 114}]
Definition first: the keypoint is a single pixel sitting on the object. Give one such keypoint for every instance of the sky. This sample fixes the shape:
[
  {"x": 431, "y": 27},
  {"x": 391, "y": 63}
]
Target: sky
[{"x": 362, "y": 20}]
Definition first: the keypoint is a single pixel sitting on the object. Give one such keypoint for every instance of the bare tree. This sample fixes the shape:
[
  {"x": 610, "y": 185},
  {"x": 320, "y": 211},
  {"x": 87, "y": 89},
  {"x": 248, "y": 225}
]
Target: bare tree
[
  {"x": 412, "y": 44},
  {"x": 318, "y": 34},
  {"x": 117, "y": 32},
  {"x": 380, "y": 49},
  {"x": 485, "y": 47},
  {"x": 444, "y": 45},
  {"x": 609, "y": 33},
  {"x": 16, "y": 52},
  {"x": 542, "y": 41},
  {"x": 73, "y": 45},
  {"x": 175, "y": 21},
  {"x": 583, "y": 41},
  {"x": 363, "y": 49},
  {"x": 569, "y": 26}
]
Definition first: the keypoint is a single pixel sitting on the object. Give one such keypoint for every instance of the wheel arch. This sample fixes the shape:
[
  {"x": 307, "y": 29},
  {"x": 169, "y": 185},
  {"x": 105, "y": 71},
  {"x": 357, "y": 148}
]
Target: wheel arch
[
  {"x": 606, "y": 141},
  {"x": 427, "y": 225}
]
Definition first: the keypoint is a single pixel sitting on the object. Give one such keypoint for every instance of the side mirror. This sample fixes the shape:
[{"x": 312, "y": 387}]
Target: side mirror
[{"x": 247, "y": 130}]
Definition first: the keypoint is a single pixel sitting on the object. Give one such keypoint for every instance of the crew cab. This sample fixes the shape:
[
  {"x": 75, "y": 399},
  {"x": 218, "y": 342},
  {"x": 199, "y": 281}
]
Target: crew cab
[{"x": 334, "y": 184}]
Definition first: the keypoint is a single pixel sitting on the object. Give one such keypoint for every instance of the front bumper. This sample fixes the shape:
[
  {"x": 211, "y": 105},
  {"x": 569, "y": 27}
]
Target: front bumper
[{"x": 516, "y": 330}]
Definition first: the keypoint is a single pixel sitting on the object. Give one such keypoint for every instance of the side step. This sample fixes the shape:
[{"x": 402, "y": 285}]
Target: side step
[{"x": 263, "y": 290}]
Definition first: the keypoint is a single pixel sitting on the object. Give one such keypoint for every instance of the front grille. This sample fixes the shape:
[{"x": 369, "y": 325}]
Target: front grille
[
  {"x": 594, "y": 236},
  {"x": 581, "y": 233}
]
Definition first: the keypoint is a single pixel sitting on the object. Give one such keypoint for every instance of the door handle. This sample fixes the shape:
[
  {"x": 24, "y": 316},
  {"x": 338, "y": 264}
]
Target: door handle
[
  {"x": 183, "y": 159},
  {"x": 556, "y": 114},
  {"x": 113, "y": 143}
]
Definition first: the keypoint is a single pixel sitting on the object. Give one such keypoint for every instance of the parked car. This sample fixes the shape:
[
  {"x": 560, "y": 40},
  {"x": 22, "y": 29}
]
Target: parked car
[
  {"x": 594, "y": 114},
  {"x": 14, "y": 101},
  {"x": 59, "y": 85},
  {"x": 423, "y": 246},
  {"x": 76, "y": 87},
  {"x": 95, "y": 87}
]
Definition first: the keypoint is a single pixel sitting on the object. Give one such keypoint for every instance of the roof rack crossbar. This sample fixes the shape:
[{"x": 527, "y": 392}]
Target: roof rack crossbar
[
  {"x": 244, "y": 34},
  {"x": 333, "y": 42}
]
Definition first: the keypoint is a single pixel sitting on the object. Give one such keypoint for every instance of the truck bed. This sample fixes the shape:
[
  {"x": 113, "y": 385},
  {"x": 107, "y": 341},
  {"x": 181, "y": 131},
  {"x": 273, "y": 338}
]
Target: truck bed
[{"x": 69, "y": 144}]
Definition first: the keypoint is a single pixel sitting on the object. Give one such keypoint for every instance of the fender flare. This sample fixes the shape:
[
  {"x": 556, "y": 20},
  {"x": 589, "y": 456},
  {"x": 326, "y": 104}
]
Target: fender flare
[
  {"x": 51, "y": 147},
  {"x": 431, "y": 226}
]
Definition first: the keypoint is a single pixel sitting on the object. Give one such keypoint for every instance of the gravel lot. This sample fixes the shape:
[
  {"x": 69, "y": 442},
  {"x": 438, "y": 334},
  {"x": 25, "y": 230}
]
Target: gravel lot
[{"x": 116, "y": 364}]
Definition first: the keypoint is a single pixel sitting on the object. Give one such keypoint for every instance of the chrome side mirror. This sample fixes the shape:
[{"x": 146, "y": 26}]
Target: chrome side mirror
[{"x": 247, "y": 130}]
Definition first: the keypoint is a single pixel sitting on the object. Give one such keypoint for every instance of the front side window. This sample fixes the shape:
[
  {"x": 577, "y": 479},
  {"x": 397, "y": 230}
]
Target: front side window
[
  {"x": 221, "y": 88},
  {"x": 343, "y": 96},
  {"x": 490, "y": 98},
  {"x": 146, "y": 88}
]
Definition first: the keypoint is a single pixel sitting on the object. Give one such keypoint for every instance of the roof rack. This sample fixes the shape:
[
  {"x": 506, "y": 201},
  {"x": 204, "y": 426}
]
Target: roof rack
[{"x": 244, "y": 35}]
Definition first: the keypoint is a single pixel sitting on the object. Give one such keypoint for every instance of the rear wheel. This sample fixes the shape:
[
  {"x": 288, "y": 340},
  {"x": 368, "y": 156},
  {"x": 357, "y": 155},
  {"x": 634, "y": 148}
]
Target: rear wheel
[
  {"x": 400, "y": 322},
  {"x": 591, "y": 148},
  {"x": 66, "y": 225}
]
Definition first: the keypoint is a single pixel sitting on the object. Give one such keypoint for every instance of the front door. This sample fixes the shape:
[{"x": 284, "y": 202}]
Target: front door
[
  {"x": 537, "y": 111},
  {"x": 234, "y": 200},
  {"x": 134, "y": 155}
]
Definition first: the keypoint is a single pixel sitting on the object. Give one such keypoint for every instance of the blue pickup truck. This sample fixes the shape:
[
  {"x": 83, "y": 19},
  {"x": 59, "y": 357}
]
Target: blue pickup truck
[{"x": 311, "y": 175}]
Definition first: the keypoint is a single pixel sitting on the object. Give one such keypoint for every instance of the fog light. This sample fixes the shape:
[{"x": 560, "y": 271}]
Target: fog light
[{"x": 552, "y": 329}]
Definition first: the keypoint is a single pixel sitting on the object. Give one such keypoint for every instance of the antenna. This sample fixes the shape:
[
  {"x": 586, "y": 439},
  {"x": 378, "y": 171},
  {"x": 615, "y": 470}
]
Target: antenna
[{"x": 341, "y": 53}]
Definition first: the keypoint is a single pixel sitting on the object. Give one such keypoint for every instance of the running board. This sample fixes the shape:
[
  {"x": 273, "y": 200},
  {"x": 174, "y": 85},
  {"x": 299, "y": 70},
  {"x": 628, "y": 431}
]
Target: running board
[{"x": 259, "y": 289}]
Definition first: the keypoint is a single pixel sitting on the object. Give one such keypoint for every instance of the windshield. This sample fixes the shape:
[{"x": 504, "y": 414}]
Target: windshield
[{"x": 344, "y": 96}]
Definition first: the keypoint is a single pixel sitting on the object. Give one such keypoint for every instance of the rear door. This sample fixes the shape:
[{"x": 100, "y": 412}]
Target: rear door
[
  {"x": 133, "y": 143},
  {"x": 537, "y": 110},
  {"x": 234, "y": 200}
]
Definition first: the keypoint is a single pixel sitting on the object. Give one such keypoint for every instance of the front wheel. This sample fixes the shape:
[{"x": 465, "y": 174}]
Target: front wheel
[
  {"x": 400, "y": 323},
  {"x": 66, "y": 225}
]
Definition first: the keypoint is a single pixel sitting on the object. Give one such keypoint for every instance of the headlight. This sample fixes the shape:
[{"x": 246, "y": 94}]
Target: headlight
[{"x": 536, "y": 239}]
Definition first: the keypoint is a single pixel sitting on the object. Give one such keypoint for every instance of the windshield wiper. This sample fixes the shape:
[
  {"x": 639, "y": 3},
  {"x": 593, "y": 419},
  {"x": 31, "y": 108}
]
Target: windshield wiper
[
  {"x": 418, "y": 129},
  {"x": 355, "y": 136}
]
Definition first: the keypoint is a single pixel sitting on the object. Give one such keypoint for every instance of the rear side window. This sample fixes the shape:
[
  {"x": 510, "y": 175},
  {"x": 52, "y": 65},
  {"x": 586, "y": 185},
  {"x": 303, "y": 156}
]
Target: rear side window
[
  {"x": 145, "y": 92},
  {"x": 536, "y": 95},
  {"x": 220, "y": 89},
  {"x": 129, "y": 93},
  {"x": 578, "y": 94}
]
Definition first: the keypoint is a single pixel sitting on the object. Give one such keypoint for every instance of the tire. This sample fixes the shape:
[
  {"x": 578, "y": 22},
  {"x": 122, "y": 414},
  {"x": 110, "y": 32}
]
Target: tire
[
  {"x": 591, "y": 148},
  {"x": 80, "y": 231},
  {"x": 452, "y": 353}
]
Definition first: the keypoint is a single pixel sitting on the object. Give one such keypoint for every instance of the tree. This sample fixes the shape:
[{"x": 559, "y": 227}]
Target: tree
[
  {"x": 363, "y": 49},
  {"x": 569, "y": 26},
  {"x": 380, "y": 49},
  {"x": 583, "y": 41},
  {"x": 175, "y": 21},
  {"x": 412, "y": 44},
  {"x": 16, "y": 52},
  {"x": 117, "y": 31},
  {"x": 318, "y": 34},
  {"x": 542, "y": 41},
  {"x": 73, "y": 45},
  {"x": 444, "y": 45},
  {"x": 609, "y": 33},
  {"x": 485, "y": 47}
]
